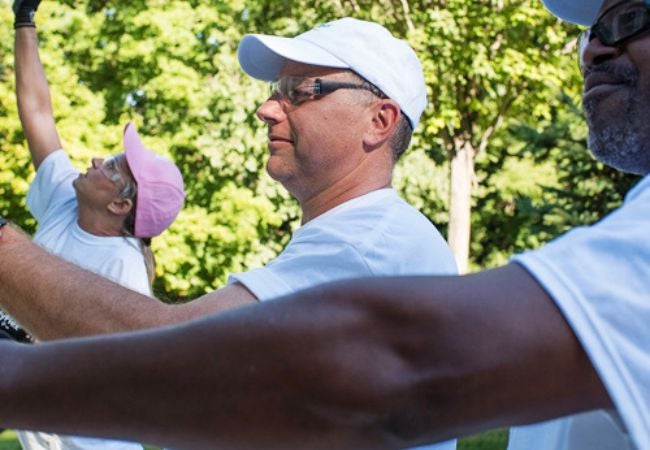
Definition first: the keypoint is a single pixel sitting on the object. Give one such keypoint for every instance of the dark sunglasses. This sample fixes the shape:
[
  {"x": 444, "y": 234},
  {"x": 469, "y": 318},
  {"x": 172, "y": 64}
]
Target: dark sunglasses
[
  {"x": 621, "y": 22},
  {"x": 300, "y": 89}
]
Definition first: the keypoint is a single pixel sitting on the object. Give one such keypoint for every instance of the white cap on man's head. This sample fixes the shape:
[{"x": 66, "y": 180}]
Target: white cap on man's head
[
  {"x": 364, "y": 47},
  {"x": 582, "y": 12}
]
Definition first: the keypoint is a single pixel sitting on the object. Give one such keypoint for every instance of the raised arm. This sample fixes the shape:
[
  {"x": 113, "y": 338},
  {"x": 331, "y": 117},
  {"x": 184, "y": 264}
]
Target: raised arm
[
  {"x": 378, "y": 363},
  {"x": 33, "y": 95}
]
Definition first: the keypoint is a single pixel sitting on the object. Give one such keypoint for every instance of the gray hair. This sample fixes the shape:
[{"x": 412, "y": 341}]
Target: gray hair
[{"x": 401, "y": 137}]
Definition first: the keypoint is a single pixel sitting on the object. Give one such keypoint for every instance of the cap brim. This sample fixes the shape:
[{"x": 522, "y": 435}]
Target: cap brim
[
  {"x": 137, "y": 155},
  {"x": 581, "y": 12},
  {"x": 263, "y": 57}
]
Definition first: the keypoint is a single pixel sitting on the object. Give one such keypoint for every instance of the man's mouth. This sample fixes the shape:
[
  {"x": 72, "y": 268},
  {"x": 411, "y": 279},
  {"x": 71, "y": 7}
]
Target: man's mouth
[
  {"x": 601, "y": 83},
  {"x": 278, "y": 138},
  {"x": 606, "y": 78},
  {"x": 598, "y": 79},
  {"x": 276, "y": 141}
]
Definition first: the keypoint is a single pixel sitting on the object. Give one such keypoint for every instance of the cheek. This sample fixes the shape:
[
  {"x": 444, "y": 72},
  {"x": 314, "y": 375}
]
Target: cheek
[
  {"x": 326, "y": 126},
  {"x": 326, "y": 134}
]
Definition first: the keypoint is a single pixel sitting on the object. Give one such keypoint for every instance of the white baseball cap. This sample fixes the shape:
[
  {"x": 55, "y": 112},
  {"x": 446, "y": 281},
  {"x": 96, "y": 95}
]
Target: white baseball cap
[
  {"x": 582, "y": 12},
  {"x": 366, "y": 48}
]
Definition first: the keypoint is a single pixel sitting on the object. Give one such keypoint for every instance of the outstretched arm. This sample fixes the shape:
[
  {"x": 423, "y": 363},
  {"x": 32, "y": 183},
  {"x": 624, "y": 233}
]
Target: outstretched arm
[
  {"x": 55, "y": 299},
  {"x": 376, "y": 363},
  {"x": 33, "y": 95}
]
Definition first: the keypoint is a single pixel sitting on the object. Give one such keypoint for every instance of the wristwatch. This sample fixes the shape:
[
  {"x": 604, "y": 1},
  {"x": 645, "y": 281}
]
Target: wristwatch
[{"x": 3, "y": 222}]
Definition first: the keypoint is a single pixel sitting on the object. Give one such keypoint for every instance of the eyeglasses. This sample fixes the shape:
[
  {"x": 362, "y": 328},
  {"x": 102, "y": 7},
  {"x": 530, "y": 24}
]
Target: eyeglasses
[
  {"x": 298, "y": 90},
  {"x": 619, "y": 23},
  {"x": 110, "y": 170}
]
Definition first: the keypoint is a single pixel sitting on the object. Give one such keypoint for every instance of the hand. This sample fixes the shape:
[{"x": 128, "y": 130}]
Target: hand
[
  {"x": 9, "y": 329},
  {"x": 24, "y": 11}
]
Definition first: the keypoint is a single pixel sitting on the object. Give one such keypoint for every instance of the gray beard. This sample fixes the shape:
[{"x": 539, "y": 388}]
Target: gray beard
[
  {"x": 622, "y": 140},
  {"x": 621, "y": 144}
]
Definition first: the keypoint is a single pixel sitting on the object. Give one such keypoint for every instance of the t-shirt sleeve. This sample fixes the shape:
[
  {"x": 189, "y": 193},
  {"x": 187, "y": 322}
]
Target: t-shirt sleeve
[
  {"x": 303, "y": 265},
  {"x": 52, "y": 184},
  {"x": 599, "y": 277}
]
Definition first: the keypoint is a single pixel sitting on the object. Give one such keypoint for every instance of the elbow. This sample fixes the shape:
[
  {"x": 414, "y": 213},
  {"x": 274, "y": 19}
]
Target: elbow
[
  {"x": 374, "y": 372},
  {"x": 34, "y": 110}
]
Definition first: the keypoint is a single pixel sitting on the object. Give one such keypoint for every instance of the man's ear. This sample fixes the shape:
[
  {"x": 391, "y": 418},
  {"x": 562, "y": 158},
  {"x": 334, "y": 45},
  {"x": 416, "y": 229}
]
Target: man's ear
[
  {"x": 120, "y": 206},
  {"x": 385, "y": 116}
]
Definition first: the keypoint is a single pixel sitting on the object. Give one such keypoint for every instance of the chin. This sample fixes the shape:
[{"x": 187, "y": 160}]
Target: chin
[
  {"x": 601, "y": 111},
  {"x": 276, "y": 169},
  {"x": 77, "y": 185},
  {"x": 622, "y": 149}
]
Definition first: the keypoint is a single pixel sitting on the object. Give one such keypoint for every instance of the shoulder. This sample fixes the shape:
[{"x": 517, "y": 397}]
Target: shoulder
[
  {"x": 376, "y": 212},
  {"x": 388, "y": 234}
]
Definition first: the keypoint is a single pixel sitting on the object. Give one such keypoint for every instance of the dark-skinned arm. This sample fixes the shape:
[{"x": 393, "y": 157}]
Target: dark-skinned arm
[{"x": 375, "y": 363}]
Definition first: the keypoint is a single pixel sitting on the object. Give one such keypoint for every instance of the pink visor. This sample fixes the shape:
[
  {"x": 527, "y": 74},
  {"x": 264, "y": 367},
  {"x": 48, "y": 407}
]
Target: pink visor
[{"x": 160, "y": 186}]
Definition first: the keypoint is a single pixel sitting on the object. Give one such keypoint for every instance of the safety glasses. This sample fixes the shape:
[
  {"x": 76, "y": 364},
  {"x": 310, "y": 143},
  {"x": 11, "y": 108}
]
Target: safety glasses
[
  {"x": 298, "y": 90},
  {"x": 110, "y": 169},
  {"x": 619, "y": 23}
]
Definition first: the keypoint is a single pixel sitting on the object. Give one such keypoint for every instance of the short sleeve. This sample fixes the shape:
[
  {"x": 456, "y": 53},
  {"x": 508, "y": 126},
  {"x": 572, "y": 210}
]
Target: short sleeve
[
  {"x": 599, "y": 277},
  {"x": 52, "y": 185},
  {"x": 303, "y": 265}
]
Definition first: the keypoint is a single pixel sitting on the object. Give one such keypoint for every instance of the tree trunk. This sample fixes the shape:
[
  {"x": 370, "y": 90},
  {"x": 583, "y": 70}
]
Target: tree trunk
[{"x": 462, "y": 174}]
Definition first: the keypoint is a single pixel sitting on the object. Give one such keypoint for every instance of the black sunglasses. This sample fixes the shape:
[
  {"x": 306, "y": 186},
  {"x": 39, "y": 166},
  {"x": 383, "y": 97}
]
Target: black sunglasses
[{"x": 621, "y": 22}]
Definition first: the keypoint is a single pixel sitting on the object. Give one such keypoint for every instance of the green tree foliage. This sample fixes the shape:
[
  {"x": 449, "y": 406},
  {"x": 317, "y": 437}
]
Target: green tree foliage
[
  {"x": 545, "y": 184},
  {"x": 488, "y": 62},
  {"x": 501, "y": 80}
]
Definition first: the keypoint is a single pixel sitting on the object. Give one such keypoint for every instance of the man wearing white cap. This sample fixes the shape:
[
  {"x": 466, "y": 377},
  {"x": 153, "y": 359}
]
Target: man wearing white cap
[{"x": 345, "y": 98}]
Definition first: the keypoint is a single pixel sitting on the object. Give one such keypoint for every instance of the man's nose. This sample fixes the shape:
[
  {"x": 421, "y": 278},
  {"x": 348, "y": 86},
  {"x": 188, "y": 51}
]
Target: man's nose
[
  {"x": 594, "y": 52},
  {"x": 272, "y": 110}
]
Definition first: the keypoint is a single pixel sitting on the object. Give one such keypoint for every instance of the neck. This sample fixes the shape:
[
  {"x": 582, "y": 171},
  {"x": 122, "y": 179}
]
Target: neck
[
  {"x": 353, "y": 185},
  {"x": 98, "y": 224}
]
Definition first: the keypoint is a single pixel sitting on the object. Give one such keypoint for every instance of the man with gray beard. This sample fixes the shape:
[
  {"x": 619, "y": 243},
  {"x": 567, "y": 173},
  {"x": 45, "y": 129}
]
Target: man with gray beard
[
  {"x": 615, "y": 62},
  {"x": 387, "y": 362}
]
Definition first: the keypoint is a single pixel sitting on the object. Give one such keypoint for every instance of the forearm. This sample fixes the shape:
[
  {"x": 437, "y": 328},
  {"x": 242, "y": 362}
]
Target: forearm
[
  {"x": 192, "y": 386},
  {"x": 383, "y": 363},
  {"x": 33, "y": 96},
  {"x": 53, "y": 299}
]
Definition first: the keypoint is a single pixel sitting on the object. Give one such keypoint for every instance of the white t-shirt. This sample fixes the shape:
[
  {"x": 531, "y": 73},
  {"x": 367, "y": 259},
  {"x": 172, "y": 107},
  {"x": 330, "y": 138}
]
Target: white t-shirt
[
  {"x": 599, "y": 277},
  {"x": 53, "y": 203},
  {"x": 377, "y": 234}
]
